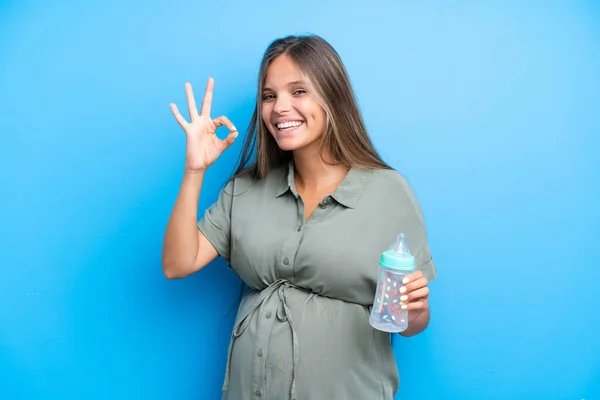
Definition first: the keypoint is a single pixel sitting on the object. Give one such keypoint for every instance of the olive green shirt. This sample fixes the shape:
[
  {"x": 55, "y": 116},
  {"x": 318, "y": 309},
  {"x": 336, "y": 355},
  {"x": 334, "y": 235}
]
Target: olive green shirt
[{"x": 302, "y": 330}]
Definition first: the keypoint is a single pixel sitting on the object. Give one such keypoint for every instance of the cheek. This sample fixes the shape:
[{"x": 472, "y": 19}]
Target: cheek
[
  {"x": 319, "y": 118},
  {"x": 313, "y": 112},
  {"x": 322, "y": 117},
  {"x": 266, "y": 115}
]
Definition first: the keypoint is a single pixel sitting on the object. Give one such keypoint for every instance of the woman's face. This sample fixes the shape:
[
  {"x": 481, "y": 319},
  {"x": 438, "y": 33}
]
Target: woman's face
[{"x": 290, "y": 112}]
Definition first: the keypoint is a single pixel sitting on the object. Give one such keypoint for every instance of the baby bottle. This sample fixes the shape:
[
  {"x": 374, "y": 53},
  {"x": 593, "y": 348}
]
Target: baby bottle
[{"x": 394, "y": 265}]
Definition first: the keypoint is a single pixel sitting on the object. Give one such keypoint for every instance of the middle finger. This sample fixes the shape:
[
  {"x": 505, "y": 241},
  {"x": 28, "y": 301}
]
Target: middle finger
[
  {"x": 191, "y": 101},
  {"x": 415, "y": 294}
]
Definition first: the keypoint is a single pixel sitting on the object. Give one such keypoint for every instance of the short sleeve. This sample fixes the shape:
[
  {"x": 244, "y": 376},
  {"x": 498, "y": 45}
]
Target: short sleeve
[
  {"x": 424, "y": 262},
  {"x": 216, "y": 222},
  {"x": 416, "y": 234}
]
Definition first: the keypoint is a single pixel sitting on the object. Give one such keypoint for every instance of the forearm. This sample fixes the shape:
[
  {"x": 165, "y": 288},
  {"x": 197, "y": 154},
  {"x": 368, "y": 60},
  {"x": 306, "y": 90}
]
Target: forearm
[
  {"x": 417, "y": 323},
  {"x": 180, "y": 245}
]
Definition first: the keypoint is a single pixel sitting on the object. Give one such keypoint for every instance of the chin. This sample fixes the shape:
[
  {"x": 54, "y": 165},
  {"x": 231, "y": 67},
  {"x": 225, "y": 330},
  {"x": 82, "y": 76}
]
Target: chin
[
  {"x": 294, "y": 142},
  {"x": 288, "y": 144}
]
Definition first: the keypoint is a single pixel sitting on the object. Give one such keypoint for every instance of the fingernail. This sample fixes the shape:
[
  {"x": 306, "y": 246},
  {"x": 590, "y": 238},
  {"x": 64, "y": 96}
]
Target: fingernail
[
  {"x": 402, "y": 289},
  {"x": 405, "y": 280},
  {"x": 402, "y": 298},
  {"x": 404, "y": 306},
  {"x": 234, "y": 128}
]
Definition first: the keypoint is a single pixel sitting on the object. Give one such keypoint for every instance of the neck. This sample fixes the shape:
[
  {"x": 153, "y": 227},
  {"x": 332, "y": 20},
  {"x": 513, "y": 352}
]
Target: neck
[{"x": 314, "y": 173}]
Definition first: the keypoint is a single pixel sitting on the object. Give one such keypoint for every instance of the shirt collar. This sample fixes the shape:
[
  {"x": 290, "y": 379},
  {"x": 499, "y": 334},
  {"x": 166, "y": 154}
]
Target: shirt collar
[{"x": 347, "y": 193}]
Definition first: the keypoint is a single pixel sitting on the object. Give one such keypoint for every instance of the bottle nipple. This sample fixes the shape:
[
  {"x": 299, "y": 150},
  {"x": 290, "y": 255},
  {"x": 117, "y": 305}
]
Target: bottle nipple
[{"x": 400, "y": 246}]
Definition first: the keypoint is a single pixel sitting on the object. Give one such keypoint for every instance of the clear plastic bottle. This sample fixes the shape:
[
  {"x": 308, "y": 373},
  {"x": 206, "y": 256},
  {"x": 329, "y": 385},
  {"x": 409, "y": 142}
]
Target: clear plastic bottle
[{"x": 394, "y": 265}]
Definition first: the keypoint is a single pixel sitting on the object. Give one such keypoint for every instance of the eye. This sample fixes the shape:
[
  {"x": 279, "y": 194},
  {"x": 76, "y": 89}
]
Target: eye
[
  {"x": 299, "y": 91},
  {"x": 267, "y": 97}
]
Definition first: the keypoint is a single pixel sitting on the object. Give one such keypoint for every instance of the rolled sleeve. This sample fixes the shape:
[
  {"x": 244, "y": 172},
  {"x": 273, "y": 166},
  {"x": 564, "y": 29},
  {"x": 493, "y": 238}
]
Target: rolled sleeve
[
  {"x": 216, "y": 222},
  {"x": 417, "y": 234},
  {"x": 424, "y": 263}
]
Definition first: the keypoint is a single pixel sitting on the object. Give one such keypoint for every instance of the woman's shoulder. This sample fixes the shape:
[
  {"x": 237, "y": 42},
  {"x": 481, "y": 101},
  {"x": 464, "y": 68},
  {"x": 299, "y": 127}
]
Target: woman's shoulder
[
  {"x": 390, "y": 179},
  {"x": 246, "y": 181},
  {"x": 393, "y": 185}
]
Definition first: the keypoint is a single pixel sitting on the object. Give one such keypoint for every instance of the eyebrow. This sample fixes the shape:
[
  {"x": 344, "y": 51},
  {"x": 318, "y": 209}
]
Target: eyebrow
[{"x": 300, "y": 82}]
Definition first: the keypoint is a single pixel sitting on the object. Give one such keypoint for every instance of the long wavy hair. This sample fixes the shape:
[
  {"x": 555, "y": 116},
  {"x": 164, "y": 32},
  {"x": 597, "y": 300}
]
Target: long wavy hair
[{"x": 345, "y": 136}]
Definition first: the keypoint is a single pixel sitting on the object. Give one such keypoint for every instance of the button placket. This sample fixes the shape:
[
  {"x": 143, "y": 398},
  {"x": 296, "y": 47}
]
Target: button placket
[
  {"x": 263, "y": 331},
  {"x": 324, "y": 209},
  {"x": 300, "y": 206},
  {"x": 290, "y": 246},
  {"x": 327, "y": 201}
]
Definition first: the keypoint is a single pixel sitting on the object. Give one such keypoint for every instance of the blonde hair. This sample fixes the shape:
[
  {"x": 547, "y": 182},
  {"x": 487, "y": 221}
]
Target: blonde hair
[{"x": 345, "y": 136}]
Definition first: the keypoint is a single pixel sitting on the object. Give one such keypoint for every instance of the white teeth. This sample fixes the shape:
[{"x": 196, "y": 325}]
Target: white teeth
[{"x": 289, "y": 124}]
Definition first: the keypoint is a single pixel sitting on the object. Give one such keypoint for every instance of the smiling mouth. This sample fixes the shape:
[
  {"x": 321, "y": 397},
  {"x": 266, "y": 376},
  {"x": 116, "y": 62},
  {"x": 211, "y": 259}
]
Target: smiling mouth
[{"x": 289, "y": 126}]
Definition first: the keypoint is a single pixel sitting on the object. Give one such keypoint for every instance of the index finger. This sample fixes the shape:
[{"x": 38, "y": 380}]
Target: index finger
[
  {"x": 207, "y": 102},
  {"x": 223, "y": 120}
]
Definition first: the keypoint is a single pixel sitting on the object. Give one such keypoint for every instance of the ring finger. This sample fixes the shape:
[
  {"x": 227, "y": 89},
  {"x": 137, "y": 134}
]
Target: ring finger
[{"x": 423, "y": 292}]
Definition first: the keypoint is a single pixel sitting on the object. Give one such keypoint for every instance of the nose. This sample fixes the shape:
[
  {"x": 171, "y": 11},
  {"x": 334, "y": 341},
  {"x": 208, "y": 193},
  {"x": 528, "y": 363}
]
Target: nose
[{"x": 282, "y": 104}]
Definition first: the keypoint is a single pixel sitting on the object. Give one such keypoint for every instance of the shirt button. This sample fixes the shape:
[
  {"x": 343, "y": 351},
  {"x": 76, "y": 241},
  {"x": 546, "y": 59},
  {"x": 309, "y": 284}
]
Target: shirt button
[
  {"x": 268, "y": 314},
  {"x": 286, "y": 261},
  {"x": 259, "y": 353},
  {"x": 258, "y": 393}
]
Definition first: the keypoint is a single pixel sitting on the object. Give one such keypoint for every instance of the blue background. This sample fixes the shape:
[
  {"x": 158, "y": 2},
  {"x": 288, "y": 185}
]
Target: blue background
[{"x": 491, "y": 109}]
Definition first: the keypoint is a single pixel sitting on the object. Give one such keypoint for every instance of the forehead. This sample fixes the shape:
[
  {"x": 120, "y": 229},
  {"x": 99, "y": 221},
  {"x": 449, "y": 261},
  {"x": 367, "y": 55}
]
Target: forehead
[{"x": 282, "y": 71}]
